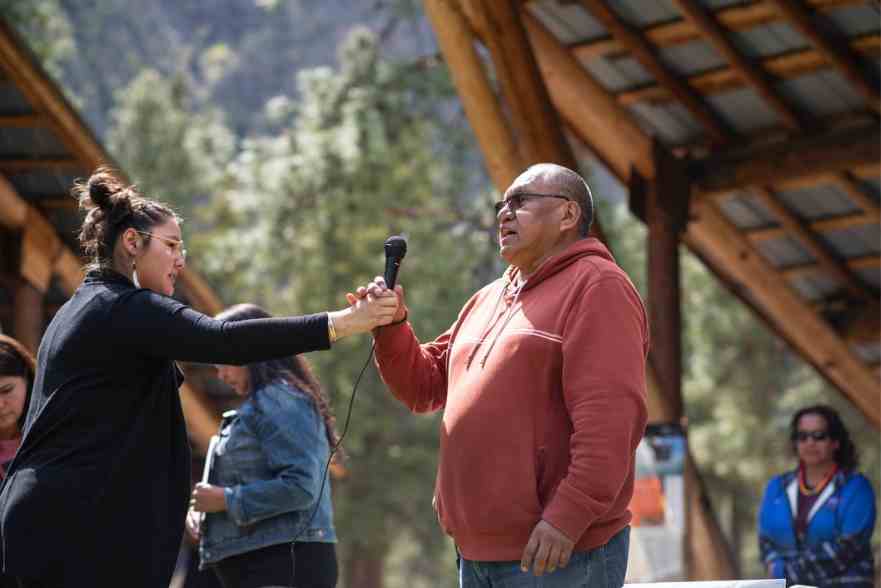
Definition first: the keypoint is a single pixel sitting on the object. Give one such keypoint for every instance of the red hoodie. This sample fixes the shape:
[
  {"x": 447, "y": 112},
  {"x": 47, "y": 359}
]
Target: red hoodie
[{"x": 543, "y": 391}]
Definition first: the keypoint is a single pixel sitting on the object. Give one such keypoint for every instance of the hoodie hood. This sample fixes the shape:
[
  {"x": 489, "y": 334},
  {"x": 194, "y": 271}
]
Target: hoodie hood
[{"x": 589, "y": 247}]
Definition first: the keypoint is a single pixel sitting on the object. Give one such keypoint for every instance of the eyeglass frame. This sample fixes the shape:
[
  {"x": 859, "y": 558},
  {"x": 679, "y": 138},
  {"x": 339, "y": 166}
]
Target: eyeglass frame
[
  {"x": 803, "y": 436},
  {"x": 509, "y": 202},
  {"x": 177, "y": 246}
]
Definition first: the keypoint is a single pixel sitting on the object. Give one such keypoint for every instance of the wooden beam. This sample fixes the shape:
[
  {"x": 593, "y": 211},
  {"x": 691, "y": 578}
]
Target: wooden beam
[
  {"x": 737, "y": 17},
  {"x": 705, "y": 22},
  {"x": 13, "y": 209},
  {"x": 20, "y": 66},
  {"x": 715, "y": 237},
  {"x": 810, "y": 156},
  {"x": 18, "y": 165},
  {"x": 724, "y": 79},
  {"x": 40, "y": 247},
  {"x": 835, "y": 50},
  {"x": 23, "y": 120},
  {"x": 646, "y": 55},
  {"x": 69, "y": 269},
  {"x": 824, "y": 225},
  {"x": 456, "y": 41},
  {"x": 866, "y": 329},
  {"x": 536, "y": 123},
  {"x": 589, "y": 109},
  {"x": 793, "y": 272},
  {"x": 56, "y": 202}
]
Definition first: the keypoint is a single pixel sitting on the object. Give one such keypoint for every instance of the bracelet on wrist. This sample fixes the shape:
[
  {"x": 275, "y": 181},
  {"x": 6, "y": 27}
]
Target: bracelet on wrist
[{"x": 331, "y": 331}]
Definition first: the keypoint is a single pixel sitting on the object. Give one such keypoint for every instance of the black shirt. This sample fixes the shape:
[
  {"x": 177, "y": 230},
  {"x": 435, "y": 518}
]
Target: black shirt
[{"x": 98, "y": 490}]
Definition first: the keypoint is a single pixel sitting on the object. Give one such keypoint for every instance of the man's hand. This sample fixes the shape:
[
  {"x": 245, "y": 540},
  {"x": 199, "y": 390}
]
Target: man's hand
[
  {"x": 208, "y": 498},
  {"x": 378, "y": 288},
  {"x": 546, "y": 550}
]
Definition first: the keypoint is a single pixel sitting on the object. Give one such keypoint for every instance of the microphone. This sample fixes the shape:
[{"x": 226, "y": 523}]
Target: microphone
[{"x": 395, "y": 250}]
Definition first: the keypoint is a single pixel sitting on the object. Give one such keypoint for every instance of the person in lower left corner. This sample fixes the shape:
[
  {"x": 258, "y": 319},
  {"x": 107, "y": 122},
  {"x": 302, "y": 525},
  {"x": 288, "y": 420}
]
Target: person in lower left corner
[
  {"x": 816, "y": 521},
  {"x": 266, "y": 479}
]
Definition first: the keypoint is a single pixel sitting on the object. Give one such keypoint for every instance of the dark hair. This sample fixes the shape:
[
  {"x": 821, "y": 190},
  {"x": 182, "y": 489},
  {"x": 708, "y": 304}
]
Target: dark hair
[
  {"x": 846, "y": 455},
  {"x": 15, "y": 360},
  {"x": 114, "y": 207},
  {"x": 570, "y": 183},
  {"x": 294, "y": 370}
]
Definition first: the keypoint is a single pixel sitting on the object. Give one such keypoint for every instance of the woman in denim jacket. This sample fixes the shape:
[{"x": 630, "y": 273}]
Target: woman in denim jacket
[
  {"x": 266, "y": 478},
  {"x": 816, "y": 522}
]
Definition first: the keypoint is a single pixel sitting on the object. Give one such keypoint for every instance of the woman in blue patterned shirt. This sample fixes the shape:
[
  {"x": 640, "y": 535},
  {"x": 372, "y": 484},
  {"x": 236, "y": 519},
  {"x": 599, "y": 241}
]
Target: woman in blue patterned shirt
[{"x": 816, "y": 522}]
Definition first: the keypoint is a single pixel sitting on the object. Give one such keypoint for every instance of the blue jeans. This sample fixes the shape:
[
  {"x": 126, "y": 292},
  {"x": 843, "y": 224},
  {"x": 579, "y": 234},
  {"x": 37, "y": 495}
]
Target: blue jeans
[{"x": 603, "y": 567}]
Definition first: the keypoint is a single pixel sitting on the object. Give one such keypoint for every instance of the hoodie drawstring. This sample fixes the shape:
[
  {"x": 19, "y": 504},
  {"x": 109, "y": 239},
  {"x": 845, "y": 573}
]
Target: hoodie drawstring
[
  {"x": 509, "y": 314},
  {"x": 491, "y": 323}
]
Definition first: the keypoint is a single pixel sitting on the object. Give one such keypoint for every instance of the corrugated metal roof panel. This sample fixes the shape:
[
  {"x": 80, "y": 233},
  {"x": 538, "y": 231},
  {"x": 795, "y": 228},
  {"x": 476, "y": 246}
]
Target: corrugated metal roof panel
[
  {"x": 35, "y": 141},
  {"x": 12, "y": 101},
  {"x": 815, "y": 286},
  {"x": 31, "y": 184},
  {"x": 671, "y": 122},
  {"x": 872, "y": 187},
  {"x": 767, "y": 40},
  {"x": 570, "y": 23},
  {"x": 692, "y": 57},
  {"x": 823, "y": 93},
  {"x": 785, "y": 251},
  {"x": 745, "y": 211},
  {"x": 744, "y": 110},
  {"x": 855, "y": 241},
  {"x": 856, "y": 20},
  {"x": 618, "y": 74},
  {"x": 819, "y": 201},
  {"x": 868, "y": 352},
  {"x": 641, "y": 13}
]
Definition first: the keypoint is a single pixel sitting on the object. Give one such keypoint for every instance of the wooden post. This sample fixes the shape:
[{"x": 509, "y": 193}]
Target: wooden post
[
  {"x": 27, "y": 315},
  {"x": 456, "y": 41},
  {"x": 666, "y": 210}
]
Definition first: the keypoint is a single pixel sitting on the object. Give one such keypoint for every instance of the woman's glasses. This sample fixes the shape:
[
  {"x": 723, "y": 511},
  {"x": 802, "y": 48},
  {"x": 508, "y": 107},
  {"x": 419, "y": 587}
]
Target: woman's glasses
[
  {"x": 803, "y": 436},
  {"x": 176, "y": 247}
]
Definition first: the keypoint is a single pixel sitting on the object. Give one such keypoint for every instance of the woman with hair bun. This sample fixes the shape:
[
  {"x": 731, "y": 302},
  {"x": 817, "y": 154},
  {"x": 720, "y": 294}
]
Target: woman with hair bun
[
  {"x": 16, "y": 378},
  {"x": 816, "y": 522},
  {"x": 97, "y": 493}
]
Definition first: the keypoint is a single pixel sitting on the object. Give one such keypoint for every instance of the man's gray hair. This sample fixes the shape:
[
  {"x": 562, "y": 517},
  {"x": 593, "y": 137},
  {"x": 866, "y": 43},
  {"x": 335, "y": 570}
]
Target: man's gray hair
[{"x": 570, "y": 184}]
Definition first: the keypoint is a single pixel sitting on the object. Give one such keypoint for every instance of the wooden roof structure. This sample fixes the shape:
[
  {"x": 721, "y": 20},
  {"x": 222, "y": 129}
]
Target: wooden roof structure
[
  {"x": 746, "y": 129},
  {"x": 769, "y": 106},
  {"x": 44, "y": 147}
]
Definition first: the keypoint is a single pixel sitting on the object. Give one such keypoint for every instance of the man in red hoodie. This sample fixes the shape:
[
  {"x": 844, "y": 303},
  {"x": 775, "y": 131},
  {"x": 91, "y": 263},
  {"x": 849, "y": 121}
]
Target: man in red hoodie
[{"x": 542, "y": 384}]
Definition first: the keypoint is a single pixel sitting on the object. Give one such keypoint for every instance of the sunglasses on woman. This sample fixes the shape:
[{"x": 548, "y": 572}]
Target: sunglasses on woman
[{"x": 803, "y": 436}]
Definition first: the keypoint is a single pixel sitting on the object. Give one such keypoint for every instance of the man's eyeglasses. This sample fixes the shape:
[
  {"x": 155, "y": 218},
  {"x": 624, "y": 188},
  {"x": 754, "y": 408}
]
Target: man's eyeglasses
[
  {"x": 803, "y": 436},
  {"x": 515, "y": 202},
  {"x": 176, "y": 247}
]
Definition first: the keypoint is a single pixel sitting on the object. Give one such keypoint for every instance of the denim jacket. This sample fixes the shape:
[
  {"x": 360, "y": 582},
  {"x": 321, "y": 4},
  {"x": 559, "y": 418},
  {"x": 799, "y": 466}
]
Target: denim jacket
[{"x": 269, "y": 458}]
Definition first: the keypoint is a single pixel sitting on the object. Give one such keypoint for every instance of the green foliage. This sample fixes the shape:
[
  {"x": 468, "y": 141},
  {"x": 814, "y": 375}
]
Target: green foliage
[{"x": 45, "y": 28}]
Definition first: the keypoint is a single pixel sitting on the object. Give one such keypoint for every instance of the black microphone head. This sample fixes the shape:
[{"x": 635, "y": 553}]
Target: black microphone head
[{"x": 395, "y": 247}]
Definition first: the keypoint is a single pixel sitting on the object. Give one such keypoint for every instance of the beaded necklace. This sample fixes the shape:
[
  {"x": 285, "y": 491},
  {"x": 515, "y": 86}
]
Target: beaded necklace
[{"x": 803, "y": 485}]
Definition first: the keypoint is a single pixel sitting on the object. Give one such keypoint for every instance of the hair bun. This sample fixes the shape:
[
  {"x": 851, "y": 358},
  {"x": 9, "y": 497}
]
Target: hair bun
[{"x": 102, "y": 187}]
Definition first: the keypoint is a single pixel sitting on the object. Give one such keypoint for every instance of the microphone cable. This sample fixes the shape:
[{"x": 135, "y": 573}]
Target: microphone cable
[{"x": 333, "y": 451}]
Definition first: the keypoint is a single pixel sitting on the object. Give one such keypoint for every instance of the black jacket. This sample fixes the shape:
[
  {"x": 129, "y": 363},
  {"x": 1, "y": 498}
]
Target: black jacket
[{"x": 99, "y": 488}]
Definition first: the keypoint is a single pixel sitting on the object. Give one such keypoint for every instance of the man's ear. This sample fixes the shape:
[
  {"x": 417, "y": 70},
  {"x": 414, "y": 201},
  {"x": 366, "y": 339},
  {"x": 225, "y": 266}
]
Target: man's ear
[{"x": 571, "y": 216}]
